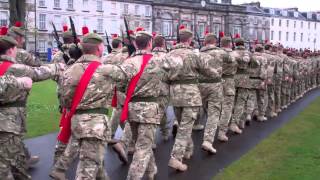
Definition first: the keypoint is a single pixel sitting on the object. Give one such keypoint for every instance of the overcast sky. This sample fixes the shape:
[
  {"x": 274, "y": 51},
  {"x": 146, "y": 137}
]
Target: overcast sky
[{"x": 303, "y": 5}]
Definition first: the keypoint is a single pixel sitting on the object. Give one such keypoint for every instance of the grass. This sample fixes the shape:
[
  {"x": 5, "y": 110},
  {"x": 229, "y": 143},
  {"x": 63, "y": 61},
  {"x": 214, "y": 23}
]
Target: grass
[
  {"x": 291, "y": 153},
  {"x": 42, "y": 115}
]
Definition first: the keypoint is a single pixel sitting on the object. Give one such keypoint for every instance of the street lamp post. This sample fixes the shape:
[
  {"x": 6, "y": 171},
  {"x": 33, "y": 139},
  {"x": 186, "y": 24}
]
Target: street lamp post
[{"x": 35, "y": 26}]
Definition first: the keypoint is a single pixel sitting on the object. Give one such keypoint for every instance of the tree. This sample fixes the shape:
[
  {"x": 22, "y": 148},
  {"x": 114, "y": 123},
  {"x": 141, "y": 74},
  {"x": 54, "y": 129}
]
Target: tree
[{"x": 17, "y": 11}]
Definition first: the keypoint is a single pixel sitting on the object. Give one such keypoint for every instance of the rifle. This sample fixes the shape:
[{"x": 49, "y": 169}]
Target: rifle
[
  {"x": 165, "y": 43},
  {"x": 75, "y": 52},
  {"x": 232, "y": 40},
  {"x": 178, "y": 37},
  {"x": 250, "y": 47},
  {"x": 198, "y": 39},
  {"x": 59, "y": 43},
  {"x": 108, "y": 46},
  {"x": 131, "y": 48}
]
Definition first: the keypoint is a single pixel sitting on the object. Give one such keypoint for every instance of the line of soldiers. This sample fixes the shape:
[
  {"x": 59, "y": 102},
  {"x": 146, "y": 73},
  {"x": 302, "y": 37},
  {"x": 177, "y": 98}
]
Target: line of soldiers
[{"x": 229, "y": 85}]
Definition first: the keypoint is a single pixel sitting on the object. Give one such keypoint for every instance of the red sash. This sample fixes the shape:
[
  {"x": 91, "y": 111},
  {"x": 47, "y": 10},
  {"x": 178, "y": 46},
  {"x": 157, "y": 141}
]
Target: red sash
[
  {"x": 4, "y": 66},
  {"x": 65, "y": 121},
  {"x": 132, "y": 86},
  {"x": 114, "y": 102}
]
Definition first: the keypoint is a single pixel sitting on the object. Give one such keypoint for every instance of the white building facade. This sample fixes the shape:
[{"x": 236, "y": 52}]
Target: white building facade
[
  {"x": 294, "y": 29},
  {"x": 98, "y": 15}
]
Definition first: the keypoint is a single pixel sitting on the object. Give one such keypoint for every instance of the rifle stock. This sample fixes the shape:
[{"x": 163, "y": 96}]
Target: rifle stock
[
  {"x": 59, "y": 43},
  {"x": 131, "y": 48},
  {"x": 108, "y": 46},
  {"x": 76, "y": 52}
]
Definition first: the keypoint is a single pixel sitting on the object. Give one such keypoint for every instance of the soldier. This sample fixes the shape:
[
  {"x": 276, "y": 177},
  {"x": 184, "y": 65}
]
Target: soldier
[
  {"x": 278, "y": 70},
  {"x": 258, "y": 74},
  {"x": 13, "y": 152},
  {"x": 270, "y": 101},
  {"x": 229, "y": 69},
  {"x": 211, "y": 89},
  {"x": 11, "y": 87},
  {"x": 23, "y": 57},
  {"x": 159, "y": 52},
  {"x": 241, "y": 84},
  {"x": 185, "y": 98},
  {"x": 67, "y": 44},
  {"x": 116, "y": 44},
  {"x": 89, "y": 124},
  {"x": 286, "y": 84}
]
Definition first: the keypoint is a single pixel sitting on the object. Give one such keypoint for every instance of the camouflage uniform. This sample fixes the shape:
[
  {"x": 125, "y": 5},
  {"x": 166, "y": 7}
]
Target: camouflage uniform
[
  {"x": 185, "y": 98},
  {"x": 258, "y": 74},
  {"x": 58, "y": 57},
  {"x": 89, "y": 125},
  {"x": 286, "y": 84},
  {"x": 278, "y": 82},
  {"x": 229, "y": 69},
  {"x": 13, "y": 120},
  {"x": 211, "y": 89},
  {"x": 242, "y": 86},
  {"x": 10, "y": 88},
  {"x": 160, "y": 53},
  {"x": 270, "y": 98},
  {"x": 24, "y": 57}
]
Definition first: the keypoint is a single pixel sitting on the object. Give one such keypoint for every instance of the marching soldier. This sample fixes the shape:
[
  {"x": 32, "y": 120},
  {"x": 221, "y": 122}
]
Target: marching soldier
[
  {"x": 229, "y": 69},
  {"x": 278, "y": 70},
  {"x": 242, "y": 86},
  {"x": 211, "y": 89},
  {"x": 23, "y": 57}
]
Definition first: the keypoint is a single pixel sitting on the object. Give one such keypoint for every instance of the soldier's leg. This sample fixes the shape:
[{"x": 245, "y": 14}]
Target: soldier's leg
[
  {"x": 187, "y": 118},
  {"x": 227, "y": 107},
  {"x": 271, "y": 101},
  {"x": 59, "y": 150},
  {"x": 91, "y": 158},
  {"x": 277, "y": 97},
  {"x": 115, "y": 120},
  {"x": 239, "y": 106},
  {"x": 143, "y": 158},
  {"x": 261, "y": 104},
  {"x": 13, "y": 161},
  {"x": 214, "y": 104},
  {"x": 197, "y": 124},
  {"x": 251, "y": 103},
  {"x": 164, "y": 123},
  {"x": 126, "y": 138}
]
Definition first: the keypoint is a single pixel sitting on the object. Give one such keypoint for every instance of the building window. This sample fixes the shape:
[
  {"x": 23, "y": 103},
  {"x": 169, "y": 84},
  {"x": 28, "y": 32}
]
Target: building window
[
  {"x": 42, "y": 3},
  {"x": 294, "y": 24},
  {"x": 315, "y": 25},
  {"x": 70, "y": 4},
  {"x": 42, "y": 46},
  {"x": 216, "y": 29},
  {"x": 309, "y": 24},
  {"x": 301, "y": 37},
  {"x": 4, "y": 16},
  {"x": 288, "y": 23},
  {"x": 166, "y": 28},
  {"x": 114, "y": 6},
  {"x": 42, "y": 21},
  {"x": 57, "y": 22},
  {"x": 263, "y": 35},
  {"x": 296, "y": 14},
  {"x": 85, "y": 21},
  {"x": 301, "y": 25},
  {"x": 294, "y": 36},
  {"x": 237, "y": 30},
  {"x": 287, "y": 36},
  {"x": 136, "y": 24},
  {"x": 279, "y": 35},
  {"x": 99, "y": 5},
  {"x": 147, "y": 25},
  {"x": 100, "y": 26},
  {"x": 85, "y": 4},
  {"x": 57, "y": 3},
  {"x": 255, "y": 21},
  {"x": 279, "y": 22},
  {"x": 272, "y": 34},
  {"x": 136, "y": 10},
  {"x": 125, "y": 9},
  {"x": 201, "y": 30},
  {"x": 147, "y": 11},
  {"x": 272, "y": 22}
]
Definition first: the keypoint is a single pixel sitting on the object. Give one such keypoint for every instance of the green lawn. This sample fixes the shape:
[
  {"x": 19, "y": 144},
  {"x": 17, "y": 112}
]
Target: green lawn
[
  {"x": 291, "y": 153},
  {"x": 43, "y": 116}
]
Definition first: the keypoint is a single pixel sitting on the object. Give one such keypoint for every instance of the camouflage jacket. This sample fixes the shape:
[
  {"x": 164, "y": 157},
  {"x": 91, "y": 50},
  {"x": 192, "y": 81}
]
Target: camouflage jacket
[
  {"x": 258, "y": 66},
  {"x": 271, "y": 66},
  {"x": 58, "y": 57},
  {"x": 12, "y": 118},
  {"x": 211, "y": 63},
  {"x": 242, "y": 76},
  {"x": 24, "y": 57},
  {"x": 229, "y": 63},
  {"x": 10, "y": 89},
  {"x": 184, "y": 94},
  {"x": 113, "y": 57},
  {"x": 287, "y": 68},
  {"x": 159, "y": 55},
  {"x": 278, "y": 69}
]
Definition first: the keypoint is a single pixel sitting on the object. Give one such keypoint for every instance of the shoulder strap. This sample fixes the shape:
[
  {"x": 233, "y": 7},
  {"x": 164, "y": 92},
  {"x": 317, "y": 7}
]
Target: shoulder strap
[
  {"x": 132, "y": 85},
  {"x": 4, "y": 66},
  {"x": 65, "y": 121}
]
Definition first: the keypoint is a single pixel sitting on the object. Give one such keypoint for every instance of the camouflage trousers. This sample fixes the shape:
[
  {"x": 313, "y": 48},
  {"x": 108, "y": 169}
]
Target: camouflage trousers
[
  {"x": 285, "y": 94},
  {"x": 143, "y": 158},
  {"x": 227, "y": 108},
  {"x": 256, "y": 98},
  {"x": 13, "y": 162},
  {"x": 115, "y": 120},
  {"x": 126, "y": 138},
  {"x": 212, "y": 96},
  {"x": 270, "y": 103},
  {"x": 65, "y": 154},
  {"x": 186, "y": 117},
  {"x": 242, "y": 97},
  {"x": 277, "y": 94},
  {"x": 164, "y": 123}
]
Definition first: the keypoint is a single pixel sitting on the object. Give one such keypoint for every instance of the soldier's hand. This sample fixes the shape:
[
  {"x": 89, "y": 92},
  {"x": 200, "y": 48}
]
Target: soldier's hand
[
  {"x": 26, "y": 82},
  {"x": 61, "y": 66}
]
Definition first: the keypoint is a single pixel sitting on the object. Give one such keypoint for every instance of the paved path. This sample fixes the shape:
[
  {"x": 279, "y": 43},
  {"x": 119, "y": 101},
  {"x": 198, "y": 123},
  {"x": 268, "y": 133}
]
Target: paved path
[{"x": 201, "y": 167}]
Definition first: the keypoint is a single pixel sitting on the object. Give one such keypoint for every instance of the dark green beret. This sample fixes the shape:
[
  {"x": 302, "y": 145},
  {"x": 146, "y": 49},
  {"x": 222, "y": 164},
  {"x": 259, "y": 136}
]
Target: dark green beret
[
  {"x": 226, "y": 39},
  {"x": 67, "y": 34},
  {"x": 239, "y": 40},
  {"x": 17, "y": 31},
  {"x": 92, "y": 38},
  {"x": 8, "y": 39}
]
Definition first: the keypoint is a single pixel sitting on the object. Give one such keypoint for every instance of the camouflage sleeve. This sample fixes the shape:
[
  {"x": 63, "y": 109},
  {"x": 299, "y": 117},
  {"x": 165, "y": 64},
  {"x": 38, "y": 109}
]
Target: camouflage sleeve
[
  {"x": 114, "y": 72},
  {"x": 264, "y": 68},
  {"x": 286, "y": 68},
  {"x": 57, "y": 58},
  {"x": 10, "y": 89},
  {"x": 28, "y": 59}
]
